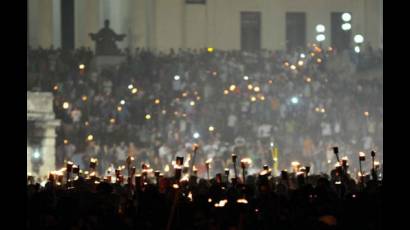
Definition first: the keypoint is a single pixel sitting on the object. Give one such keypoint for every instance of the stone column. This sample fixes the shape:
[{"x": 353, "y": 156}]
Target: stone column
[{"x": 48, "y": 148}]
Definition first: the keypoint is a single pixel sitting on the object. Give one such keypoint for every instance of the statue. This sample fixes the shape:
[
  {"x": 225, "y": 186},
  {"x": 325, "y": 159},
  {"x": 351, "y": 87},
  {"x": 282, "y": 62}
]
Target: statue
[{"x": 105, "y": 40}]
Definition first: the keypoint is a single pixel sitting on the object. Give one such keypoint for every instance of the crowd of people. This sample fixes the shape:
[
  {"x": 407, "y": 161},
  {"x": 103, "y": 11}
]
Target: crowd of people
[
  {"x": 77, "y": 200},
  {"x": 156, "y": 105}
]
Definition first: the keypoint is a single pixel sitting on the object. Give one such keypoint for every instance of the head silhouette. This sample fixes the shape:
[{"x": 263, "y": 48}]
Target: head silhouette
[{"x": 106, "y": 23}]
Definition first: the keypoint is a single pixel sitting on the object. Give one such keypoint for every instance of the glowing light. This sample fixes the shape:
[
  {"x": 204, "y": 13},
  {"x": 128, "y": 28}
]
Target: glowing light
[
  {"x": 357, "y": 49},
  {"x": 198, "y": 98},
  {"x": 119, "y": 108},
  {"x": 190, "y": 196},
  {"x": 211, "y": 128},
  {"x": 286, "y": 64},
  {"x": 253, "y": 98},
  {"x": 270, "y": 82},
  {"x": 157, "y": 101},
  {"x": 65, "y": 141},
  {"x": 242, "y": 201},
  {"x": 84, "y": 98},
  {"x": 294, "y": 100},
  {"x": 245, "y": 78},
  {"x": 308, "y": 79},
  {"x": 66, "y": 105},
  {"x": 346, "y": 17},
  {"x": 317, "y": 109},
  {"x": 366, "y": 114},
  {"x": 36, "y": 154},
  {"x": 112, "y": 120},
  {"x": 177, "y": 77},
  {"x": 196, "y": 135},
  {"x": 256, "y": 89},
  {"x": 166, "y": 168},
  {"x": 147, "y": 116},
  {"x": 346, "y": 26},
  {"x": 293, "y": 67},
  {"x": 130, "y": 86},
  {"x": 221, "y": 203},
  {"x": 362, "y": 154},
  {"x": 320, "y": 37},
  {"x": 319, "y": 60},
  {"x": 300, "y": 63},
  {"x": 358, "y": 38},
  {"x": 164, "y": 112},
  {"x": 245, "y": 162},
  {"x": 175, "y": 186},
  {"x": 322, "y": 110},
  {"x": 192, "y": 103},
  {"x": 122, "y": 102},
  {"x": 262, "y": 98},
  {"x": 209, "y": 200},
  {"x": 226, "y": 92},
  {"x": 81, "y": 66},
  {"x": 55, "y": 88},
  {"x": 295, "y": 164},
  {"x": 232, "y": 87},
  {"x": 210, "y": 49},
  {"x": 214, "y": 73},
  {"x": 90, "y": 137},
  {"x": 250, "y": 86},
  {"x": 302, "y": 55},
  {"x": 320, "y": 28},
  {"x": 134, "y": 90}
]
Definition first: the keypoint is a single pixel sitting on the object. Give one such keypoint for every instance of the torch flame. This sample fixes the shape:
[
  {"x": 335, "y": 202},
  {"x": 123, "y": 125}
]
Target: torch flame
[{"x": 242, "y": 201}]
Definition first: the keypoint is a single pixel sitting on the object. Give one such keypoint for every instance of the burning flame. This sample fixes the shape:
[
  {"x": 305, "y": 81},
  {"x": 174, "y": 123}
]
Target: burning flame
[
  {"x": 295, "y": 164},
  {"x": 190, "y": 196},
  {"x": 247, "y": 161},
  {"x": 221, "y": 203},
  {"x": 184, "y": 178},
  {"x": 242, "y": 201},
  {"x": 166, "y": 168}
]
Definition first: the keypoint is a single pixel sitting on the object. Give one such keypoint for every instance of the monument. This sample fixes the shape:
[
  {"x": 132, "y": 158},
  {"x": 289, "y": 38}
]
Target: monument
[
  {"x": 41, "y": 135},
  {"x": 106, "y": 50}
]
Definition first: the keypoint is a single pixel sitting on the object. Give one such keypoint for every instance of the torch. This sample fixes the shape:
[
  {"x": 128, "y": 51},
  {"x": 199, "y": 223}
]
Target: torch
[
  {"x": 69, "y": 167},
  {"x": 207, "y": 164},
  {"x": 245, "y": 162},
  {"x": 76, "y": 170},
  {"x": 374, "y": 175},
  {"x": 196, "y": 147},
  {"x": 234, "y": 164},
  {"x": 129, "y": 161},
  {"x": 227, "y": 174},
  {"x": 362, "y": 157},
  {"x": 93, "y": 163},
  {"x": 336, "y": 152}
]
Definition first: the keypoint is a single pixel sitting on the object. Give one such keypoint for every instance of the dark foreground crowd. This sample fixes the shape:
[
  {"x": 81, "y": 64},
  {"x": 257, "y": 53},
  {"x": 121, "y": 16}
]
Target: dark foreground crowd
[{"x": 150, "y": 200}]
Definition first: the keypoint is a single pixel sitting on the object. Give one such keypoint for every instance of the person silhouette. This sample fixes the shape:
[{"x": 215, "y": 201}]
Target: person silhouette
[{"x": 105, "y": 40}]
